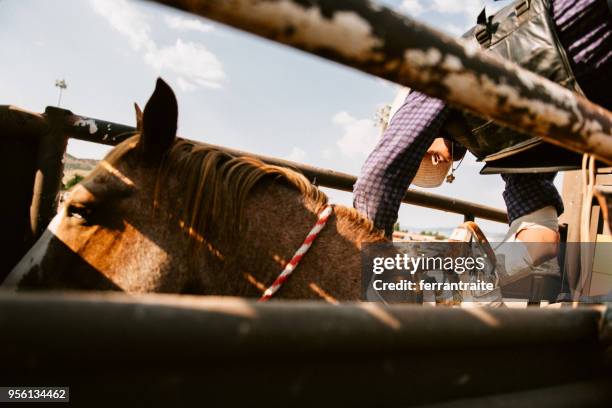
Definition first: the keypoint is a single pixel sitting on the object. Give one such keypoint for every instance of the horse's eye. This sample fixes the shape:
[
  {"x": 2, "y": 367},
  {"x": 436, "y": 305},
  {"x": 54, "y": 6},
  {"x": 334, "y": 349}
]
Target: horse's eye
[{"x": 78, "y": 211}]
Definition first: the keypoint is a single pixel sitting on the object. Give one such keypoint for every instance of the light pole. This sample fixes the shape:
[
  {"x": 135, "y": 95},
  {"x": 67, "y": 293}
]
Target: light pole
[{"x": 61, "y": 84}]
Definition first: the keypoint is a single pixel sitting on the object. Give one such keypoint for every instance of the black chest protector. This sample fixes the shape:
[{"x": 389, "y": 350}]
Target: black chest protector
[{"x": 522, "y": 32}]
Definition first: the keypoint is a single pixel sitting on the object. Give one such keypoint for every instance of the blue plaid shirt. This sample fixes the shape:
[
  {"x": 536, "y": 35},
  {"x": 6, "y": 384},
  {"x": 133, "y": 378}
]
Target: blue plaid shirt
[{"x": 390, "y": 168}]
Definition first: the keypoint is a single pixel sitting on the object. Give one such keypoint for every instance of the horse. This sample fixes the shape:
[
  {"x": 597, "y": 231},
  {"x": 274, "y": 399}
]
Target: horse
[{"x": 164, "y": 214}]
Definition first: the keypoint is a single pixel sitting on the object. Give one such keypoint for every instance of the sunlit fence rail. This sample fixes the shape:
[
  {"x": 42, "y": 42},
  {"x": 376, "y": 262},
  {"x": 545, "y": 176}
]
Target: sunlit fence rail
[{"x": 369, "y": 37}]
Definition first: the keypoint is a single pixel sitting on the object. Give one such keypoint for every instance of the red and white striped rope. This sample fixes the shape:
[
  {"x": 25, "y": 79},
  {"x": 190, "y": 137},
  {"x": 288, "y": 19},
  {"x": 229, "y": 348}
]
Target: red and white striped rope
[{"x": 299, "y": 254}]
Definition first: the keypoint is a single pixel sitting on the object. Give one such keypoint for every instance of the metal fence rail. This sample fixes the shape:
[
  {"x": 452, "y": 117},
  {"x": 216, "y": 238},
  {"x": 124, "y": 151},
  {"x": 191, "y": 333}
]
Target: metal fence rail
[
  {"x": 17, "y": 121},
  {"x": 312, "y": 352},
  {"x": 374, "y": 39}
]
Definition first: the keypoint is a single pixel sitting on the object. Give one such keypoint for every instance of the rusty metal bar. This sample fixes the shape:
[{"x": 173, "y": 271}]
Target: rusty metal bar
[
  {"x": 30, "y": 124},
  {"x": 100, "y": 131},
  {"x": 96, "y": 130},
  {"x": 374, "y": 39}
]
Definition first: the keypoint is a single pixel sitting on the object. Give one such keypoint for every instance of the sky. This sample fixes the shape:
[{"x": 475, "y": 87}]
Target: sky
[{"x": 234, "y": 89}]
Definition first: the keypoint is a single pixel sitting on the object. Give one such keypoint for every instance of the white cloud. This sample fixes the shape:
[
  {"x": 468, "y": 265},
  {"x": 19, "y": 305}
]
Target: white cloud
[
  {"x": 296, "y": 155},
  {"x": 359, "y": 135},
  {"x": 127, "y": 20},
  {"x": 192, "y": 63},
  {"x": 185, "y": 85},
  {"x": 342, "y": 118},
  {"x": 412, "y": 7},
  {"x": 187, "y": 24}
]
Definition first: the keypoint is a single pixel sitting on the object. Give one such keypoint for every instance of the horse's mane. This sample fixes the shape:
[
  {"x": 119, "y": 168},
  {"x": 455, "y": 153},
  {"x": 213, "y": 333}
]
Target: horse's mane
[{"x": 215, "y": 186}]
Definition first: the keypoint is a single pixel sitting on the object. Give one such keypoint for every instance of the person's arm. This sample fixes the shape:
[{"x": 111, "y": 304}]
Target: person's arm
[{"x": 392, "y": 165}]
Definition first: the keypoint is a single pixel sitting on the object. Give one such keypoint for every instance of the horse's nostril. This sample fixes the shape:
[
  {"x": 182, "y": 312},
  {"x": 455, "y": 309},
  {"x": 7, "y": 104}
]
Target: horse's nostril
[
  {"x": 78, "y": 211},
  {"x": 74, "y": 214}
]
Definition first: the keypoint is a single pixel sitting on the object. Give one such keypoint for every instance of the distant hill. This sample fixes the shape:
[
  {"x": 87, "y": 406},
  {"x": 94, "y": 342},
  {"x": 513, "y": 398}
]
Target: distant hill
[{"x": 74, "y": 165}]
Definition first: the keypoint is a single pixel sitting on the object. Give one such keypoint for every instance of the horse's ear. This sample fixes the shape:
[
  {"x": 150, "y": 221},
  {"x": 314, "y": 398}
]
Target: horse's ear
[
  {"x": 138, "y": 117},
  {"x": 159, "y": 122}
]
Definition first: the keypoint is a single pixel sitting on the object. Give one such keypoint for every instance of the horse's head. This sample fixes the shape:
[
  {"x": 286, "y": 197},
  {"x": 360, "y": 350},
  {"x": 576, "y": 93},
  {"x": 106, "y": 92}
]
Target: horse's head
[
  {"x": 161, "y": 214},
  {"x": 105, "y": 235}
]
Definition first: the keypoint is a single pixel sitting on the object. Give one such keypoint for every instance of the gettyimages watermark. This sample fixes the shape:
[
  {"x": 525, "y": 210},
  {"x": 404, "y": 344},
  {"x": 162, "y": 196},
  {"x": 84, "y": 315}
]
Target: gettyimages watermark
[{"x": 458, "y": 272}]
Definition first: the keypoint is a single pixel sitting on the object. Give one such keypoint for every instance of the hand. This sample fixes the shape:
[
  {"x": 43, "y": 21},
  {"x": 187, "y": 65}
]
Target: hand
[{"x": 440, "y": 150}]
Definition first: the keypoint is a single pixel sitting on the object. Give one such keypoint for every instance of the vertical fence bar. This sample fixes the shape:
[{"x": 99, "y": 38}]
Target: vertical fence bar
[
  {"x": 49, "y": 172},
  {"x": 19, "y": 136}
]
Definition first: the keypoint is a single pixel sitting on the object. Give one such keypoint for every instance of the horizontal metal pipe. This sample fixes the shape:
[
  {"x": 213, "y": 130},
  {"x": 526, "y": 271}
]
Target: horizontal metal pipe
[
  {"x": 374, "y": 39},
  {"x": 110, "y": 133},
  {"x": 164, "y": 348},
  {"x": 96, "y": 130},
  {"x": 235, "y": 325},
  {"x": 17, "y": 121}
]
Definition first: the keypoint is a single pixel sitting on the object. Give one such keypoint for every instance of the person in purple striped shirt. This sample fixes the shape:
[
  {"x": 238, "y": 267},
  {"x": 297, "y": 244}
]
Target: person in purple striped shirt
[{"x": 584, "y": 28}]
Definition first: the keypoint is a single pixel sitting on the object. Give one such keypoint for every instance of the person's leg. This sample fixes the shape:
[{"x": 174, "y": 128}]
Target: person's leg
[
  {"x": 548, "y": 239},
  {"x": 390, "y": 168},
  {"x": 534, "y": 204}
]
